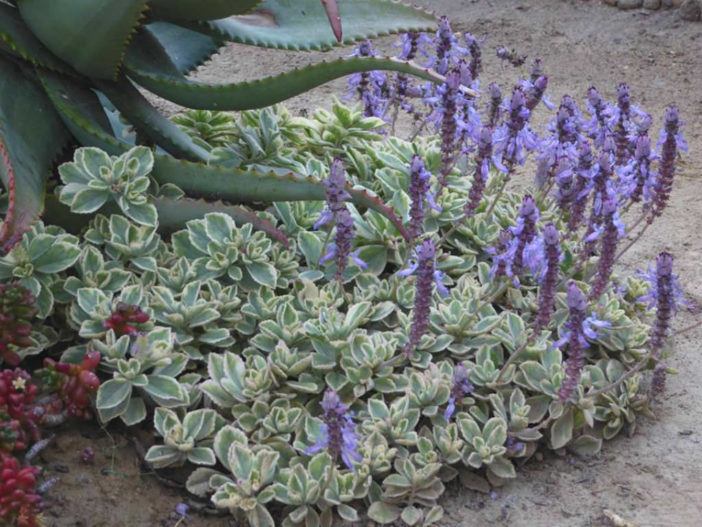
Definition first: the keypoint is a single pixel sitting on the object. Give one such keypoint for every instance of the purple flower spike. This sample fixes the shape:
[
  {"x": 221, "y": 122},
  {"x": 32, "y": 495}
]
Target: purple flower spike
[
  {"x": 547, "y": 293},
  {"x": 339, "y": 431},
  {"x": 666, "y": 294},
  {"x": 604, "y": 117},
  {"x": 424, "y": 267},
  {"x": 371, "y": 87},
  {"x": 514, "y": 137},
  {"x": 460, "y": 387},
  {"x": 419, "y": 193},
  {"x": 535, "y": 92},
  {"x": 494, "y": 106},
  {"x": 575, "y": 339},
  {"x": 476, "y": 64},
  {"x": 482, "y": 170},
  {"x": 524, "y": 231},
  {"x": 336, "y": 211},
  {"x": 449, "y": 123},
  {"x": 445, "y": 41},
  {"x": 613, "y": 230},
  {"x": 670, "y": 142}
]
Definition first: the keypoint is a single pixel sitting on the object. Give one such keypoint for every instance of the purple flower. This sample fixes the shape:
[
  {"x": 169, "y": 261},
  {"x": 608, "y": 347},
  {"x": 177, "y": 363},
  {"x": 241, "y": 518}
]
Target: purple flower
[
  {"x": 424, "y": 266},
  {"x": 337, "y": 212},
  {"x": 460, "y": 387},
  {"x": 613, "y": 229},
  {"x": 338, "y": 431},
  {"x": 370, "y": 86},
  {"x": 447, "y": 110},
  {"x": 419, "y": 193},
  {"x": 637, "y": 180},
  {"x": 181, "y": 510},
  {"x": 547, "y": 292},
  {"x": 444, "y": 42},
  {"x": 604, "y": 117},
  {"x": 516, "y": 247},
  {"x": 481, "y": 172},
  {"x": 514, "y": 137},
  {"x": 340, "y": 250},
  {"x": 575, "y": 339},
  {"x": 670, "y": 142},
  {"x": 535, "y": 93}
]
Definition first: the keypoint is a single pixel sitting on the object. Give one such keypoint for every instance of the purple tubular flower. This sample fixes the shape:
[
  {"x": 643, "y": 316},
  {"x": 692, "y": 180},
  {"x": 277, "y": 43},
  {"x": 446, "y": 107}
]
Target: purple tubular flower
[
  {"x": 604, "y": 117},
  {"x": 182, "y": 510},
  {"x": 577, "y": 307},
  {"x": 502, "y": 254},
  {"x": 602, "y": 190},
  {"x": 339, "y": 431},
  {"x": 340, "y": 250},
  {"x": 620, "y": 130},
  {"x": 514, "y": 137},
  {"x": 671, "y": 140},
  {"x": 637, "y": 178},
  {"x": 449, "y": 123},
  {"x": 667, "y": 291},
  {"x": 419, "y": 192},
  {"x": 445, "y": 40},
  {"x": 581, "y": 188},
  {"x": 370, "y": 86},
  {"x": 482, "y": 170},
  {"x": 547, "y": 293},
  {"x": 613, "y": 229},
  {"x": 427, "y": 274},
  {"x": 337, "y": 212},
  {"x": 524, "y": 231},
  {"x": 460, "y": 387},
  {"x": 535, "y": 92}
]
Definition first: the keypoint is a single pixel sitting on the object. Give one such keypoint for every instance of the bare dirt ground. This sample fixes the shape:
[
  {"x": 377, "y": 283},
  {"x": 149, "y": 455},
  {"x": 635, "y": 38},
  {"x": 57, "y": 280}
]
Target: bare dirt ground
[{"x": 653, "y": 478}]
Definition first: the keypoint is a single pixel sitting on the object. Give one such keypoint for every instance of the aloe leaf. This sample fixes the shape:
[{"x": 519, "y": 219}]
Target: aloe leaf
[
  {"x": 138, "y": 111},
  {"x": 262, "y": 92},
  {"x": 88, "y": 124},
  {"x": 82, "y": 113},
  {"x": 91, "y": 35},
  {"x": 332, "y": 9},
  {"x": 303, "y": 24},
  {"x": 173, "y": 214},
  {"x": 233, "y": 184},
  {"x": 186, "y": 49},
  {"x": 17, "y": 40},
  {"x": 31, "y": 135},
  {"x": 200, "y": 9}
]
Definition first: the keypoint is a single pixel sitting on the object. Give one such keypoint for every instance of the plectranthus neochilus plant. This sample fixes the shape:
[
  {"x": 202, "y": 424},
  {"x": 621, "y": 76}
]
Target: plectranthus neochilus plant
[{"x": 312, "y": 394}]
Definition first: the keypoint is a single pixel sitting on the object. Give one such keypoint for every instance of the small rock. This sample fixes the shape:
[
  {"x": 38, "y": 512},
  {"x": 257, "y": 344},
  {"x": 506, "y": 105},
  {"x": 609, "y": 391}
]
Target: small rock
[
  {"x": 613, "y": 3},
  {"x": 691, "y": 10},
  {"x": 677, "y": 3},
  {"x": 667, "y": 4},
  {"x": 651, "y": 5},
  {"x": 629, "y": 4}
]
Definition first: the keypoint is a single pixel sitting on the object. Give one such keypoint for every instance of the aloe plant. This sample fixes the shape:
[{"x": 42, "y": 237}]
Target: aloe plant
[{"x": 69, "y": 72}]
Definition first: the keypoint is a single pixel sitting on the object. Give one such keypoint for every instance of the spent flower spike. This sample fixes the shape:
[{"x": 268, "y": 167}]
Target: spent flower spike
[{"x": 419, "y": 193}]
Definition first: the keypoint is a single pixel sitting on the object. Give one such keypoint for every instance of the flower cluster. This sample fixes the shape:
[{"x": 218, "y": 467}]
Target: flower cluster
[
  {"x": 549, "y": 282},
  {"x": 17, "y": 309},
  {"x": 419, "y": 194},
  {"x": 510, "y": 259},
  {"x": 19, "y": 416},
  {"x": 371, "y": 87},
  {"x": 338, "y": 431},
  {"x": 424, "y": 267},
  {"x": 575, "y": 339},
  {"x": 460, "y": 387},
  {"x": 337, "y": 212}
]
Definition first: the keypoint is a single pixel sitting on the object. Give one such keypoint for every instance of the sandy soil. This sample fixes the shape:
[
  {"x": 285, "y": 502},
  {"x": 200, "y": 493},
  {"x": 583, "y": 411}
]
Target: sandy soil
[{"x": 653, "y": 478}]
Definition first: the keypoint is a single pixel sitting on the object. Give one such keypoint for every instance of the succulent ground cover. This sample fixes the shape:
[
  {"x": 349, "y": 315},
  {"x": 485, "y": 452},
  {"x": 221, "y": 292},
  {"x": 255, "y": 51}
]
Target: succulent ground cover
[{"x": 340, "y": 362}]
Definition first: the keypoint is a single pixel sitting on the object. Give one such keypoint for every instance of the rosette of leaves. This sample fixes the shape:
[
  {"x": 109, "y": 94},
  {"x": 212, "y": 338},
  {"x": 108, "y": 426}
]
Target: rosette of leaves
[
  {"x": 38, "y": 261},
  {"x": 70, "y": 72},
  {"x": 220, "y": 248},
  {"x": 247, "y": 488},
  {"x": 232, "y": 380},
  {"x": 125, "y": 241},
  {"x": 318, "y": 493},
  {"x": 95, "y": 178},
  {"x": 145, "y": 368},
  {"x": 192, "y": 319},
  {"x": 92, "y": 307},
  {"x": 92, "y": 271},
  {"x": 189, "y": 439}
]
